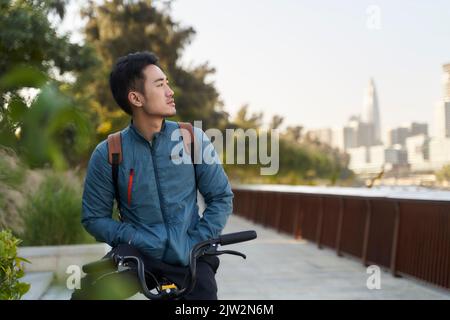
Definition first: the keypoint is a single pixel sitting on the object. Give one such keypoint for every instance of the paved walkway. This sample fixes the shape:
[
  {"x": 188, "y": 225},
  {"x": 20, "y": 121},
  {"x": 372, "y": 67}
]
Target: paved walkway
[{"x": 278, "y": 267}]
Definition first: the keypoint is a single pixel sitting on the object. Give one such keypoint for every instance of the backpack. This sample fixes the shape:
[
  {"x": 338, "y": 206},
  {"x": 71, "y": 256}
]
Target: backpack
[{"x": 115, "y": 155}]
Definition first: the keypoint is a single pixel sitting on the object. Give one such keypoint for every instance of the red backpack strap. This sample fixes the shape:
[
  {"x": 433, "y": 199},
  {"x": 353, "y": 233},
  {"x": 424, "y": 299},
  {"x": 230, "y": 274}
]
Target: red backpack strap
[
  {"x": 115, "y": 158},
  {"x": 115, "y": 148}
]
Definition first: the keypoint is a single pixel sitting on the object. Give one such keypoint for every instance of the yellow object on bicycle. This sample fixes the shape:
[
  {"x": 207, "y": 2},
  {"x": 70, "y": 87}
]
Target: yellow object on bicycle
[{"x": 168, "y": 286}]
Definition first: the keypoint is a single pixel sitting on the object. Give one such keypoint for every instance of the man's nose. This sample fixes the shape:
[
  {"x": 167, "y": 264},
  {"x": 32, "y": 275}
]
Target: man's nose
[{"x": 169, "y": 92}]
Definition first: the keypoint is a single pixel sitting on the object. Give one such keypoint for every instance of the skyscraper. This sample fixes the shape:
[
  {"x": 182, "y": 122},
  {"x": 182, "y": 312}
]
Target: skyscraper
[
  {"x": 446, "y": 81},
  {"x": 442, "y": 113},
  {"x": 371, "y": 114}
]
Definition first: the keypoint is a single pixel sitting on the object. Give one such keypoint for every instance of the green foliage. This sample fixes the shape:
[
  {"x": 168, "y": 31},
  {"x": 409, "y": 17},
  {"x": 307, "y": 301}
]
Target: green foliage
[
  {"x": 28, "y": 37},
  {"x": 245, "y": 121},
  {"x": 11, "y": 174},
  {"x": 12, "y": 177},
  {"x": 11, "y": 268},
  {"x": 444, "y": 173},
  {"x": 52, "y": 215},
  {"x": 32, "y": 54},
  {"x": 52, "y": 129},
  {"x": 117, "y": 28}
]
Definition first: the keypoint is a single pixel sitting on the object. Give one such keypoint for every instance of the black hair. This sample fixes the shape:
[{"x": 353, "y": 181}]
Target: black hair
[{"x": 127, "y": 74}]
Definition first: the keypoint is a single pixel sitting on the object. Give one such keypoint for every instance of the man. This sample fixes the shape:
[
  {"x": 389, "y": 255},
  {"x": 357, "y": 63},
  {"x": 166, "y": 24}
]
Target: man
[{"x": 160, "y": 215}]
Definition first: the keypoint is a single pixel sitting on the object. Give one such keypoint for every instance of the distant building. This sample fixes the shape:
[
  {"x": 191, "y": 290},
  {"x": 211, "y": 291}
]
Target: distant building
[
  {"x": 418, "y": 128},
  {"x": 396, "y": 155},
  {"x": 439, "y": 146},
  {"x": 446, "y": 81},
  {"x": 350, "y": 133},
  {"x": 367, "y": 160},
  {"x": 439, "y": 152},
  {"x": 400, "y": 134},
  {"x": 371, "y": 116},
  {"x": 442, "y": 119},
  {"x": 324, "y": 135},
  {"x": 418, "y": 152}
]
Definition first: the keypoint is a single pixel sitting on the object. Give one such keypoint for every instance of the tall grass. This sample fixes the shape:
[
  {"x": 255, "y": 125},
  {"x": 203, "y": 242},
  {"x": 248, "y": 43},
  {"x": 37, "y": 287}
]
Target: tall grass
[
  {"x": 52, "y": 214},
  {"x": 12, "y": 172}
]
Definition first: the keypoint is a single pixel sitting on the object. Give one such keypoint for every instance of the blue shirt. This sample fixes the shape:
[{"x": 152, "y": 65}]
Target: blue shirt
[{"x": 158, "y": 194}]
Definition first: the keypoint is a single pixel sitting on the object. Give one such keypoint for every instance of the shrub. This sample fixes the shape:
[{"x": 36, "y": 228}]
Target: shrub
[
  {"x": 52, "y": 215},
  {"x": 12, "y": 173},
  {"x": 11, "y": 268}
]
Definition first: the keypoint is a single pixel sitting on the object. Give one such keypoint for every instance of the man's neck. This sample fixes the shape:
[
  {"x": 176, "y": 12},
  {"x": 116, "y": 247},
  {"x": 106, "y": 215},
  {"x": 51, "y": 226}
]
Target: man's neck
[{"x": 148, "y": 126}]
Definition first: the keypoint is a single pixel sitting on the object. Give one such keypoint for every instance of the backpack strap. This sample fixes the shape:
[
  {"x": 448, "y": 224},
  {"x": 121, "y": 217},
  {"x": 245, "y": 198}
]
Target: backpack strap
[
  {"x": 189, "y": 144},
  {"x": 188, "y": 138},
  {"x": 114, "y": 159}
]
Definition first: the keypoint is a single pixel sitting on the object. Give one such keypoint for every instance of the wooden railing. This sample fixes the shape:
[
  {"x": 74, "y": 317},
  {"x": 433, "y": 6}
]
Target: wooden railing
[{"x": 409, "y": 236}]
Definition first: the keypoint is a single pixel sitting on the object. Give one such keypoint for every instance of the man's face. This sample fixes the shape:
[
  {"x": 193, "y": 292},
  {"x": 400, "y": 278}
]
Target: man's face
[{"x": 157, "y": 98}]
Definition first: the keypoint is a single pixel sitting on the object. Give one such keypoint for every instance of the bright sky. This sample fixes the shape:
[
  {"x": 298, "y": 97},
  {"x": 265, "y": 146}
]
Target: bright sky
[{"x": 310, "y": 61}]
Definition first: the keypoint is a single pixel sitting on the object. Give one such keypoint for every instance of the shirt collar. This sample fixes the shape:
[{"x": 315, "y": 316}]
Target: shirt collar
[{"x": 137, "y": 133}]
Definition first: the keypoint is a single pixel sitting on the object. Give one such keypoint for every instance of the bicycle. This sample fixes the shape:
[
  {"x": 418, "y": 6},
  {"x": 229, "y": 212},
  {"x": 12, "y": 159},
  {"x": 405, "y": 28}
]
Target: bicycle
[{"x": 168, "y": 290}]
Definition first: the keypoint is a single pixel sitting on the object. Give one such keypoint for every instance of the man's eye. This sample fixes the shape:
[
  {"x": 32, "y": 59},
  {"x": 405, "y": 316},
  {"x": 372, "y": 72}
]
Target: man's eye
[{"x": 160, "y": 85}]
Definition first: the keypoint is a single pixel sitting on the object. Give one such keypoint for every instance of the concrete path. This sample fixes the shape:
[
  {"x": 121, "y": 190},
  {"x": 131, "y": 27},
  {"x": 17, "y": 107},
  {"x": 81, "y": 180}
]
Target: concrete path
[{"x": 279, "y": 267}]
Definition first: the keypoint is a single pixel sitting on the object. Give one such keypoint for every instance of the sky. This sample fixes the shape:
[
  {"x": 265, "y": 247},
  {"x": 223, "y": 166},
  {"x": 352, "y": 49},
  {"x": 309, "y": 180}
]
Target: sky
[{"x": 310, "y": 61}]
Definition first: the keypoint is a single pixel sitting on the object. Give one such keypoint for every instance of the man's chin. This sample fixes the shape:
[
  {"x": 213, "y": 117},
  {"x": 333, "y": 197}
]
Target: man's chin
[{"x": 171, "y": 113}]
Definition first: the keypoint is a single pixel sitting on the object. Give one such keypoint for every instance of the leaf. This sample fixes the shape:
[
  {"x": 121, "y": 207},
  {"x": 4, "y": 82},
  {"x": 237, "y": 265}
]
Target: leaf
[
  {"x": 20, "y": 259},
  {"x": 23, "y": 288},
  {"x": 17, "y": 108},
  {"x": 22, "y": 76}
]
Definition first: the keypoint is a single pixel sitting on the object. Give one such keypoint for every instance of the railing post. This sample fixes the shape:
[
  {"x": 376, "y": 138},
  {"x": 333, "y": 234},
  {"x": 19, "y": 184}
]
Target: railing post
[
  {"x": 279, "y": 201},
  {"x": 339, "y": 226},
  {"x": 295, "y": 222},
  {"x": 367, "y": 232},
  {"x": 395, "y": 239},
  {"x": 319, "y": 224}
]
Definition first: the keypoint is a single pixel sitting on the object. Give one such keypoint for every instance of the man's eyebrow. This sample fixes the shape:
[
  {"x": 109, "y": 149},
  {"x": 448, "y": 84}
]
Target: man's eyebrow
[{"x": 159, "y": 79}]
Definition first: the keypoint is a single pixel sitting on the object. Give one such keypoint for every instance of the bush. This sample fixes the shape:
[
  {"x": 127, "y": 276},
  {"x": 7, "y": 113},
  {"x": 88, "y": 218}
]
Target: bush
[
  {"x": 51, "y": 216},
  {"x": 12, "y": 177},
  {"x": 12, "y": 173},
  {"x": 11, "y": 268},
  {"x": 444, "y": 173}
]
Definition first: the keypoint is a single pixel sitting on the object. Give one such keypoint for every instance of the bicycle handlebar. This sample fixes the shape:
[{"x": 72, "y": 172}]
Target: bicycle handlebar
[
  {"x": 207, "y": 247},
  {"x": 236, "y": 237},
  {"x": 197, "y": 251}
]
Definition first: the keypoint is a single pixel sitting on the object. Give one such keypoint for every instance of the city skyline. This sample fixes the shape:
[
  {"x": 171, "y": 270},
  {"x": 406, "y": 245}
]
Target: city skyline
[
  {"x": 310, "y": 62},
  {"x": 325, "y": 46}
]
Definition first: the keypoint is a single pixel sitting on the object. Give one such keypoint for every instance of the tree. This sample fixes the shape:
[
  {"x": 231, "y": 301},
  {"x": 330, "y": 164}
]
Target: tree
[
  {"x": 444, "y": 173},
  {"x": 294, "y": 133},
  {"x": 276, "y": 122},
  {"x": 116, "y": 28},
  {"x": 33, "y": 55},
  {"x": 244, "y": 121}
]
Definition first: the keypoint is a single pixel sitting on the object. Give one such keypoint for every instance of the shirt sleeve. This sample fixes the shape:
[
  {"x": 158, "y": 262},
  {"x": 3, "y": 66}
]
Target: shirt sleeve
[
  {"x": 213, "y": 184},
  {"x": 98, "y": 200}
]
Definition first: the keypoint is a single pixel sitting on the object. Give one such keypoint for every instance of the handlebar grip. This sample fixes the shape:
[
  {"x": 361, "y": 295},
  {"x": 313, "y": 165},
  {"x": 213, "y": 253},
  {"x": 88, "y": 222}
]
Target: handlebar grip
[{"x": 236, "y": 237}]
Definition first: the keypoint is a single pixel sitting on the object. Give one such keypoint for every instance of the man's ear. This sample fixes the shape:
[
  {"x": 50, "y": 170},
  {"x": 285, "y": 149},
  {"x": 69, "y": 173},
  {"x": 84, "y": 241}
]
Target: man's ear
[{"x": 135, "y": 98}]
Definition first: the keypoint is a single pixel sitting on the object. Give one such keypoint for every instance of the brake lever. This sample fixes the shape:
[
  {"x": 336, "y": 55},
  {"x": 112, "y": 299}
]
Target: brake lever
[{"x": 219, "y": 252}]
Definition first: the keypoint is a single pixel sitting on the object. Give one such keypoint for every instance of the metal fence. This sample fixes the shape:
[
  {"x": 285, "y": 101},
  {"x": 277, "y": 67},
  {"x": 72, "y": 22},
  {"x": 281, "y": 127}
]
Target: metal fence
[{"x": 410, "y": 237}]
